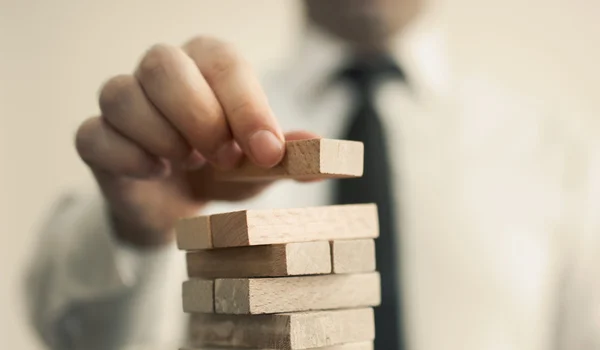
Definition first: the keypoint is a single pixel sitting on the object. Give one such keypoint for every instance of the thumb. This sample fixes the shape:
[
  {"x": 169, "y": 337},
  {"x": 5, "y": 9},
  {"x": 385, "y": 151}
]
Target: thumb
[{"x": 204, "y": 186}]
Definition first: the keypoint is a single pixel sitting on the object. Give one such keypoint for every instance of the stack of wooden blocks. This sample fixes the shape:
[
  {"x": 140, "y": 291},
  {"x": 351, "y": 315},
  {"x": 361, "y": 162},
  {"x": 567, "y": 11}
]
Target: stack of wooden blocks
[{"x": 300, "y": 278}]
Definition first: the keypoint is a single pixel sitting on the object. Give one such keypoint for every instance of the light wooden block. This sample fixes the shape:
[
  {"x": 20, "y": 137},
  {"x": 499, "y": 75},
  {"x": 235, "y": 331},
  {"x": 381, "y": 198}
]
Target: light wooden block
[
  {"x": 291, "y": 259},
  {"x": 198, "y": 296},
  {"x": 276, "y": 226},
  {"x": 351, "y": 346},
  {"x": 353, "y": 256},
  {"x": 306, "y": 159},
  {"x": 194, "y": 233},
  {"x": 292, "y": 294},
  {"x": 304, "y": 330}
]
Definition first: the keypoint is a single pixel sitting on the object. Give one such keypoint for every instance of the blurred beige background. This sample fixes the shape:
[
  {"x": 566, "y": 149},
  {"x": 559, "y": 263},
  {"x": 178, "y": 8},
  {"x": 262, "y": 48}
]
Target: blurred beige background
[{"x": 54, "y": 55}]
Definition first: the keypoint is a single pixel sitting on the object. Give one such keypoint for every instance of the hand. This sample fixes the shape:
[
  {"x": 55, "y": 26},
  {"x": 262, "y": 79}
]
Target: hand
[{"x": 165, "y": 128}]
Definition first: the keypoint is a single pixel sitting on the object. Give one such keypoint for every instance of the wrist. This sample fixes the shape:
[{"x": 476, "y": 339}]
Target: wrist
[{"x": 138, "y": 236}]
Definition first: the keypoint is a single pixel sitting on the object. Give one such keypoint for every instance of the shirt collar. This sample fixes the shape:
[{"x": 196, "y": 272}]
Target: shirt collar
[{"x": 320, "y": 55}]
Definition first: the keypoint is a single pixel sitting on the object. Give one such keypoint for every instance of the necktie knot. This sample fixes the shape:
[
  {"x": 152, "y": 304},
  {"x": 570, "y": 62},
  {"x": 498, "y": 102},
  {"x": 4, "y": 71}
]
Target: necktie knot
[{"x": 363, "y": 73}]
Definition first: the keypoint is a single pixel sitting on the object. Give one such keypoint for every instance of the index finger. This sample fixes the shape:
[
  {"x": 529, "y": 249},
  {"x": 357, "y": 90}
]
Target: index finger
[{"x": 244, "y": 102}]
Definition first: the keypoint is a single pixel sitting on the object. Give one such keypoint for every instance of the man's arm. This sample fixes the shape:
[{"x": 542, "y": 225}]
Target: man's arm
[
  {"x": 106, "y": 273},
  {"x": 85, "y": 289}
]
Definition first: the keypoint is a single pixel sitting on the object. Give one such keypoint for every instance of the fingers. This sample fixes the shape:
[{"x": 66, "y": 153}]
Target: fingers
[
  {"x": 244, "y": 103},
  {"x": 173, "y": 83},
  {"x": 125, "y": 107},
  {"x": 104, "y": 149},
  {"x": 199, "y": 103},
  {"x": 204, "y": 185}
]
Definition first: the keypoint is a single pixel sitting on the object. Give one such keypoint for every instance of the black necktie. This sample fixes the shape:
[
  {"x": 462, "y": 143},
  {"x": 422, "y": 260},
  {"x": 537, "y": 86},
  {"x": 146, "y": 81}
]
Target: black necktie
[{"x": 375, "y": 186}]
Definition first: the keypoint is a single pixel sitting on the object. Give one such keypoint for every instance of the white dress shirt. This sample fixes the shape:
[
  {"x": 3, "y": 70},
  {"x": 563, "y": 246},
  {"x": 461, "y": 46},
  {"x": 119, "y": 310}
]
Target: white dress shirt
[{"x": 498, "y": 232}]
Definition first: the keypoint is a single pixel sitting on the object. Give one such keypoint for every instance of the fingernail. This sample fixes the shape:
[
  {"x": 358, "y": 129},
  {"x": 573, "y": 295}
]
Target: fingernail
[
  {"x": 229, "y": 155},
  {"x": 266, "y": 148},
  {"x": 194, "y": 161}
]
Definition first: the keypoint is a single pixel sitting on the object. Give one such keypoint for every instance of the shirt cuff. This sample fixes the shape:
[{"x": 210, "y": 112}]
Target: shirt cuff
[{"x": 99, "y": 264}]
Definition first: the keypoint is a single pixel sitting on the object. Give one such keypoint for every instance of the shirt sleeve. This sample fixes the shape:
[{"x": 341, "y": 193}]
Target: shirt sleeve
[{"x": 84, "y": 289}]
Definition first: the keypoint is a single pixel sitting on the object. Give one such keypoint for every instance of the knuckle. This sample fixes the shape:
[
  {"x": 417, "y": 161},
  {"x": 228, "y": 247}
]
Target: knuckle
[
  {"x": 156, "y": 61},
  {"x": 117, "y": 93},
  {"x": 213, "y": 135},
  {"x": 223, "y": 58},
  {"x": 210, "y": 114},
  {"x": 248, "y": 112},
  {"x": 213, "y": 56},
  {"x": 85, "y": 139},
  {"x": 173, "y": 147},
  {"x": 136, "y": 163}
]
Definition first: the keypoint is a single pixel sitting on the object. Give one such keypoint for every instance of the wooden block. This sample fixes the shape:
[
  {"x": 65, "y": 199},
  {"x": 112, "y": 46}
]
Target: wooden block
[
  {"x": 278, "y": 226},
  {"x": 306, "y": 159},
  {"x": 306, "y": 258},
  {"x": 194, "y": 233},
  {"x": 350, "y": 346},
  {"x": 258, "y": 227},
  {"x": 291, "y": 294},
  {"x": 353, "y": 256},
  {"x": 198, "y": 296},
  {"x": 290, "y": 331}
]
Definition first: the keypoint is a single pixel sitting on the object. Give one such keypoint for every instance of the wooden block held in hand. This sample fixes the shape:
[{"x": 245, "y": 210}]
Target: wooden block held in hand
[
  {"x": 368, "y": 345},
  {"x": 198, "y": 296},
  {"x": 291, "y": 259},
  {"x": 258, "y": 227},
  {"x": 292, "y": 294},
  {"x": 306, "y": 159},
  {"x": 304, "y": 330},
  {"x": 194, "y": 233},
  {"x": 353, "y": 256}
]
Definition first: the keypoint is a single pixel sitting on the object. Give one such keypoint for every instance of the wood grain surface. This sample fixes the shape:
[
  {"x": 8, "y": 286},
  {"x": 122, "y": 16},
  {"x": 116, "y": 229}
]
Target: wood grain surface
[
  {"x": 352, "y": 256},
  {"x": 304, "y": 330},
  {"x": 305, "y": 159},
  {"x": 198, "y": 295},
  {"x": 193, "y": 233},
  {"x": 276, "y": 226},
  {"x": 292, "y": 294},
  {"x": 350, "y": 346},
  {"x": 291, "y": 259}
]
